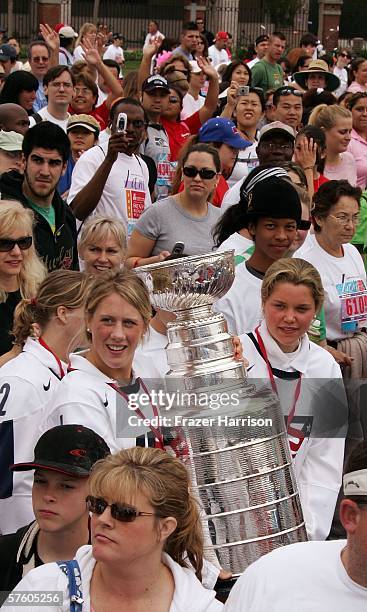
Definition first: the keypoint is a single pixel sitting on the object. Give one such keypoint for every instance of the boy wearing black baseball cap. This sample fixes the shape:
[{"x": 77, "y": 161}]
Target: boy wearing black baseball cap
[{"x": 63, "y": 459}]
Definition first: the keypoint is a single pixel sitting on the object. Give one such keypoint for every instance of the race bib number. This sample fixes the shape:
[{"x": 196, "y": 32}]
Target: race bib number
[
  {"x": 353, "y": 304},
  {"x": 135, "y": 200}
]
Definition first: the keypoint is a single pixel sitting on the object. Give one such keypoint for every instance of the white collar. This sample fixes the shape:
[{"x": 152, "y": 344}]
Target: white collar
[
  {"x": 79, "y": 362},
  {"x": 33, "y": 347},
  {"x": 285, "y": 361}
]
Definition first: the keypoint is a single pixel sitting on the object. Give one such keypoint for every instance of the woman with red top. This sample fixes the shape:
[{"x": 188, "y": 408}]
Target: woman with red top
[
  {"x": 178, "y": 131},
  {"x": 318, "y": 137}
]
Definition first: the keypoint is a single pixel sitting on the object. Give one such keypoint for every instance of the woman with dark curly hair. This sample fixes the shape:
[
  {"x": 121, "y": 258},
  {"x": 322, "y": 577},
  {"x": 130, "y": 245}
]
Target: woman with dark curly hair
[{"x": 20, "y": 88}]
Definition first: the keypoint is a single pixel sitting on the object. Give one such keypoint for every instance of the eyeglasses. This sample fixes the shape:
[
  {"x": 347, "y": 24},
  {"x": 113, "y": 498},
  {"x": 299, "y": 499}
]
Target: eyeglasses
[
  {"x": 7, "y": 244},
  {"x": 204, "y": 173},
  {"x": 40, "y": 59},
  {"x": 174, "y": 69},
  {"x": 274, "y": 145},
  {"x": 344, "y": 219},
  {"x": 345, "y": 55},
  {"x": 120, "y": 512},
  {"x": 57, "y": 85}
]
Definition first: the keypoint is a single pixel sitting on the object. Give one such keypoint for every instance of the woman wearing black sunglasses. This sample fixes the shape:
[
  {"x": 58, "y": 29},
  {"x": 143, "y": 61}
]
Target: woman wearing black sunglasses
[
  {"x": 186, "y": 217},
  {"x": 147, "y": 541},
  {"x": 21, "y": 270}
]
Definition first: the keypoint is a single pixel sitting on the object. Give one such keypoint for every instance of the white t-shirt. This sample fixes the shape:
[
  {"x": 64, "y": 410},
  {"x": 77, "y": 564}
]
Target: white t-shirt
[
  {"x": 307, "y": 577},
  {"x": 191, "y": 106},
  {"x": 241, "y": 305},
  {"x": 320, "y": 414},
  {"x": 253, "y": 62},
  {"x": 342, "y": 75},
  {"x": 150, "y": 36},
  {"x": 46, "y": 116},
  {"x": 218, "y": 56},
  {"x": 28, "y": 386},
  {"x": 243, "y": 247},
  {"x": 151, "y": 351},
  {"x": 126, "y": 192},
  {"x": 114, "y": 53},
  {"x": 345, "y": 285},
  {"x": 79, "y": 54},
  {"x": 246, "y": 161}
]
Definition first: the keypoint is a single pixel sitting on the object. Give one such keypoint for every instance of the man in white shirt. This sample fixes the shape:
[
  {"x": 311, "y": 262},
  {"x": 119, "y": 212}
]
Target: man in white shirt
[
  {"x": 110, "y": 180},
  {"x": 315, "y": 576},
  {"x": 115, "y": 51},
  {"x": 58, "y": 86},
  {"x": 217, "y": 52},
  {"x": 340, "y": 70},
  {"x": 153, "y": 32},
  {"x": 261, "y": 47}
]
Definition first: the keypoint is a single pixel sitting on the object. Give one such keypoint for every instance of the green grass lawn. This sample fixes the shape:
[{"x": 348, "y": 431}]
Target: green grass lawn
[{"x": 131, "y": 65}]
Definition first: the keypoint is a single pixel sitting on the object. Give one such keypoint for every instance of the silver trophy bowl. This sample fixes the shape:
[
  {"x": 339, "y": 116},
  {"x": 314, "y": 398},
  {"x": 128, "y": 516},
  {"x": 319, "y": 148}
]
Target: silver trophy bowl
[
  {"x": 180, "y": 285},
  {"x": 242, "y": 474}
]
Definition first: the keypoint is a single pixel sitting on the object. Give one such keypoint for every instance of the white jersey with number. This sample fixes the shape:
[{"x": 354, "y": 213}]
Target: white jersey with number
[{"x": 27, "y": 387}]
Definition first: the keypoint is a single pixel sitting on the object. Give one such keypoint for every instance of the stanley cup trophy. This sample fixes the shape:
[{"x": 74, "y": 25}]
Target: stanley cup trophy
[{"x": 239, "y": 463}]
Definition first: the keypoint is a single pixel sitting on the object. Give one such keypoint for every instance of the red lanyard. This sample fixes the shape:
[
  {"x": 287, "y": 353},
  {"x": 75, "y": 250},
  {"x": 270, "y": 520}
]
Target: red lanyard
[
  {"x": 58, "y": 360},
  {"x": 297, "y": 433},
  {"x": 158, "y": 438}
]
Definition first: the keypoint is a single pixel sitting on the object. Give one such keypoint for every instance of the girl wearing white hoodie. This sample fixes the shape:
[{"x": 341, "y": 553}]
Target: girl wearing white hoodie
[{"x": 146, "y": 529}]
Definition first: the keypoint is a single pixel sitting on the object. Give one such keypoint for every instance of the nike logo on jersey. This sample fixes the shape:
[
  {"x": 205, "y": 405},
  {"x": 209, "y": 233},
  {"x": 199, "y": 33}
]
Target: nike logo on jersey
[
  {"x": 250, "y": 368},
  {"x": 46, "y": 387},
  {"x": 105, "y": 403}
]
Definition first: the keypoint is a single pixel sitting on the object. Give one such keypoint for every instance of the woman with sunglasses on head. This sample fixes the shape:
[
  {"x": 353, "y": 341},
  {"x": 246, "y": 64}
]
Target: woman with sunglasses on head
[
  {"x": 147, "y": 541},
  {"x": 46, "y": 329},
  {"x": 279, "y": 352},
  {"x": 186, "y": 217},
  {"x": 336, "y": 122},
  {"x": 358, "y": 75},
  {"x": 21, "y": 270}
]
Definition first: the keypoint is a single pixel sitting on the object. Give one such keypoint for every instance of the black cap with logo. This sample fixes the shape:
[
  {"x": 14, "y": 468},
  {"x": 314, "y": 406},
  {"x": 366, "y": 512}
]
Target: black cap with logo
[{"x": 69, "y": 449}]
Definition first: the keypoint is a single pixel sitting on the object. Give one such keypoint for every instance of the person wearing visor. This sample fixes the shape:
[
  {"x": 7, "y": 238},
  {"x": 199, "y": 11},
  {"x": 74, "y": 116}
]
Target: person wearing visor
[
  {"x": 320, "y": 575},
  {"x": 317, "y": 76},
  {"x": 11, "y": 157},
  {"x": 147, "y": 540},
  {"x": 83, "y": 132},
  {"x": 63, "y": 459}
]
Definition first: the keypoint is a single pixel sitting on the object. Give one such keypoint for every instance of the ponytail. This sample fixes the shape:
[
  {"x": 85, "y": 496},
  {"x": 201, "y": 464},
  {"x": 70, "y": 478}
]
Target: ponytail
[{"x": 233, "y": 220}]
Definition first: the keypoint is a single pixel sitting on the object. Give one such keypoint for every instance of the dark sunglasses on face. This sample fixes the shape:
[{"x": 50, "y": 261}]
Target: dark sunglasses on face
[
  {"x": 120, "y": 512},
  {"x": 345, "y": 55},
  {"x": 204, "y": 173},
  {"x": 7, "y": 244},
  {"x": 173, "y": 69}
]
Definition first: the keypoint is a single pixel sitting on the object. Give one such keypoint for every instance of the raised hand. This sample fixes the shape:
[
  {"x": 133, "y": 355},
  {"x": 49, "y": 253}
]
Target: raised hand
[
  {"x": 91, "y": 53},
  {"x": 207, "y": 68},
  {"x": 305, "y": 152},
  {"x": 50, "y": 36},
  {"x": 152, "y": 47}
]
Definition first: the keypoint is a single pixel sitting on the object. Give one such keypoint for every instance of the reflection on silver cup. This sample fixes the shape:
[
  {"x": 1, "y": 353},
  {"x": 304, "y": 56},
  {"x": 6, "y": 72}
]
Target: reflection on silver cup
[{"x": 239, "y": 456}]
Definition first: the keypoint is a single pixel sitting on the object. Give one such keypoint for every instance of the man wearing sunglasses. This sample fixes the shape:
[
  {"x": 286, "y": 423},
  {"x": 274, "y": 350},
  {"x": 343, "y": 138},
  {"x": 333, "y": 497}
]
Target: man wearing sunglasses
[
  {"x": 325, "y": 575},
  {"x": 63, "y": 459},
  {"x": 111, "y": 180},
  {"x": 288, "y": 106},
  {"x": 46, "y": 150},
  {"x": 340, "y": 70}
]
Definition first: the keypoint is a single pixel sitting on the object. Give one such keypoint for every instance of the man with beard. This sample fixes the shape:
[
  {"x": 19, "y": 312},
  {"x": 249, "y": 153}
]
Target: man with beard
[{"x": 46, "y": 149}]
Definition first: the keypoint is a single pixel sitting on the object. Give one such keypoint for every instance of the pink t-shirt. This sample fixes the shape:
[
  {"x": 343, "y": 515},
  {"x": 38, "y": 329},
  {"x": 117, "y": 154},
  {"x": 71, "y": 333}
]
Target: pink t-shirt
[
  {"x": 358, "y": 148},
  {"x": 356, "y": 87},
  {"x": 345, "y": 170}
]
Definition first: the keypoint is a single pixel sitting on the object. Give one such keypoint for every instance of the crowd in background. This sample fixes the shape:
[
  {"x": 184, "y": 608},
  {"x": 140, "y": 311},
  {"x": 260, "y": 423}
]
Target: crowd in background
[{"x": 103, "y": 171}]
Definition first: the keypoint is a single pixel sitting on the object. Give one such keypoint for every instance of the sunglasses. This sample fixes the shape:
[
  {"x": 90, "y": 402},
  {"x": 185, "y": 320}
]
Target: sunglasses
[
  {"x": 120, "y": 512},
  {"x": 345, "y": 55},
  {"x": 289, "y": 91},
  {"x": 7, "y": 244},
  {"x": 171, "y": 69},
  {"x": 204, "y": 173}
]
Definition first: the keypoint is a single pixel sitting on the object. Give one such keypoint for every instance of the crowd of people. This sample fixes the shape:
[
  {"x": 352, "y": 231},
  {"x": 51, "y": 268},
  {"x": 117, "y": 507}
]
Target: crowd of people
[{"x": 103, "y": 172}]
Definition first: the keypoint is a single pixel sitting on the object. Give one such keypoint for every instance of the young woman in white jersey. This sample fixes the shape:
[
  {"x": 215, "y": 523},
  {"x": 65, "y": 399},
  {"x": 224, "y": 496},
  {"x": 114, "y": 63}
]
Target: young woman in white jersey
[
  {"x": 29, "y": 381},
  {"x": 308, "y": 382}
]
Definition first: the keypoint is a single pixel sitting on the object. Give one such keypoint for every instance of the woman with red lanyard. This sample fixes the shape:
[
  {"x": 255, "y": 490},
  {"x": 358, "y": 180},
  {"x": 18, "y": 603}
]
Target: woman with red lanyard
[
  {"x": 101, "y": 390},
  {"x": 308, "y": 382},
  {"x": 29, "y": 381}
]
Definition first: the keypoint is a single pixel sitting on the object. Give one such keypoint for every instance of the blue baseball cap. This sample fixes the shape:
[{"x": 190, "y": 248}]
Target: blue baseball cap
[{"x": 222, "y": 130}]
